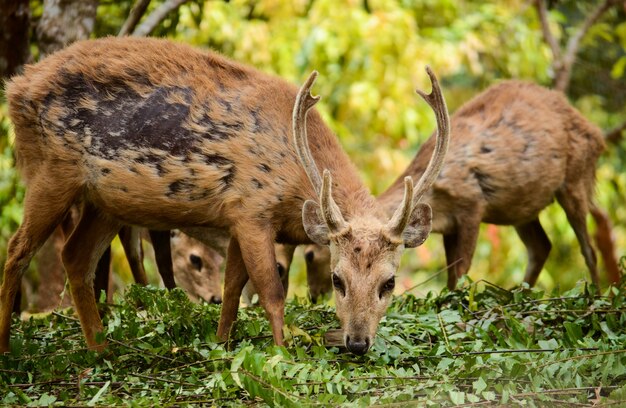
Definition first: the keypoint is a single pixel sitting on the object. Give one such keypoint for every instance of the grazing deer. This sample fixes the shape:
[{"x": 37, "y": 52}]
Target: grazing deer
[
  {"x": 152, "y": 133},
  {"x": 513, "y": 149}
]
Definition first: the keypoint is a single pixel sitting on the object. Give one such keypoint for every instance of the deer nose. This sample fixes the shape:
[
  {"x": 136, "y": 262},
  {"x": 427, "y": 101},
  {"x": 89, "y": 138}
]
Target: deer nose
[
  {"x": 357, "y": 346},
  {"x": 216, "y": 299}
]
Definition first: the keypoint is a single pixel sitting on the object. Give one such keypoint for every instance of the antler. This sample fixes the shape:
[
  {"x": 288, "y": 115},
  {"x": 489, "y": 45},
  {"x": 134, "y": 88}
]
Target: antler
[
  {"x": 435, "y": 99},
  {"x": 304, "y": 102},
  {"x": 330, "y": 210}
]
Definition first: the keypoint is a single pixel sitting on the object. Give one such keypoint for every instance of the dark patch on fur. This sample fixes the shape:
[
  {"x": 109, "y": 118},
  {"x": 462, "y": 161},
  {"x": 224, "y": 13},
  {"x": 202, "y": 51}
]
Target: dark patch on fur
[
  {"x": 483, "y": 182},
  {"x": 125, "y": 121},
  {"x": 257, "y": 183},
  {"x": 485, "y": 149},
  {"x": 227, "y": 180},
  {"x": 217, "y": 160},
  {"x": 265, "y": 168},
  {"x": 105, "y": 171}
]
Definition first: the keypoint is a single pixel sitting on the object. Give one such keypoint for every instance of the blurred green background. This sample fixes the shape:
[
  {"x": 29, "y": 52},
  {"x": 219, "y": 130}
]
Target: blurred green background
[{"x": 371, "y": 56}]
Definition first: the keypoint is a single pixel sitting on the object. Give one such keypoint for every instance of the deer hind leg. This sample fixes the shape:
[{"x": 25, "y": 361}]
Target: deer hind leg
[
  {"x": 81, "y": 253},
  {"x": 538, "y": 246},
  {"x": 459, "y": 248},
  {"x": 575, "y": 203},
  {"x": 43, "y": 211},
  {"x": 131, "y": 242},
  {"x": 161, "y": 242},
  {"x": 103, "y": 272},
  {"x": 235, "y": 278}
]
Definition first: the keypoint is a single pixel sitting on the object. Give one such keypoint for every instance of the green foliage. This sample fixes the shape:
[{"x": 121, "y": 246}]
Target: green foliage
[{"x": 481, "y": 345}]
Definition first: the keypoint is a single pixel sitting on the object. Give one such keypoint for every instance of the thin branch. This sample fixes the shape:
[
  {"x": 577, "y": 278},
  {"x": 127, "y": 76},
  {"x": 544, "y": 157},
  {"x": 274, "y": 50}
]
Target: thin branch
[
  {"x": 138, "y": 10},
  {"x": 569, "y": 57},
  {"x": 548, "y": 36},
  {"x": 156, "y": 17}
]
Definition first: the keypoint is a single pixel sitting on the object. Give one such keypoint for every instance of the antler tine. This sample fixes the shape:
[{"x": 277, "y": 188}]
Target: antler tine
[
  {"x": 304, "y": 102},
  {"x": 438, "y": 104},
  {"x": 330, "y": 210},
  {"x": 401, "y": 216}
]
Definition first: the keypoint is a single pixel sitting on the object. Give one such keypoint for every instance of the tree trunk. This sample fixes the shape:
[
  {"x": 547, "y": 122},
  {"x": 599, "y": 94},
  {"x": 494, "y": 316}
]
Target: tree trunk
[
  {"x": 14, "y": 20},
  {"x": 64, "y": 22}
]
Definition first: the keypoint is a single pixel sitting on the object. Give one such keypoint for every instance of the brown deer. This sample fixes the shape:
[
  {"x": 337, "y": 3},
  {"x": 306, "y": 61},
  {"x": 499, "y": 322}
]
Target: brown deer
[
  {"x": 152, "y": 133},
  {"x": 513, "y": 149}
]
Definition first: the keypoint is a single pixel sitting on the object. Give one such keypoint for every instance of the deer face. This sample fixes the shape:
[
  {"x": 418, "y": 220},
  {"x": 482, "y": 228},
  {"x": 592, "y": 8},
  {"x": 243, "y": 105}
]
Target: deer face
[
  {"x": 364, "y": 257},
  {"x": 196, "y": 269},
  {"x": 365, "y": 250}
]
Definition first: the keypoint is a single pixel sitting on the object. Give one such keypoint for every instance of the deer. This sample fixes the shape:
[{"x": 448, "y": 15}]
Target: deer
[
  {"x": 284, "y": 257},
  {"x": 156, "y": 134},
  {"x": 514, "y": 148}
]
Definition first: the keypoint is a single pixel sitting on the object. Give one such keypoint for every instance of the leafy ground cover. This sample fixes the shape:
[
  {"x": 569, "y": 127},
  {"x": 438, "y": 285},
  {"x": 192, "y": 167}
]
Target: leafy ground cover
[{"x": 479, "y": 346}]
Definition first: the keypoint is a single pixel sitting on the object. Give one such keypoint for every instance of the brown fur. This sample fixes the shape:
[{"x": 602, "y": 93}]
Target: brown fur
[
  {"x": 514, "y": 149},
  {"x": 156, "y": 134}
]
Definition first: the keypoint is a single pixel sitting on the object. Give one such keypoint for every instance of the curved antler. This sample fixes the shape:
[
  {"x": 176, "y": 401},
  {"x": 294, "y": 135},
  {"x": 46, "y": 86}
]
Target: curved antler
[
  {"x": 435, "y": 99},
  {"x": 438, "y": 104},
  {"x": 330, "y": 210},
  {"x": 400, "y": 218},
  {"x": 304, "y": 102}
]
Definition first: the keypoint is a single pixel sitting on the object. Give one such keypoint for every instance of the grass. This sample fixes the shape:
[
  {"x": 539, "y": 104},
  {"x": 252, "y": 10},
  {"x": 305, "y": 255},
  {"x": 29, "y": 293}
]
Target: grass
[{"x": 478, "y": 346}]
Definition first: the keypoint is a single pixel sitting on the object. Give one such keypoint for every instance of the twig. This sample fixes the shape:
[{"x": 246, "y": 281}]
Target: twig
[
  {"x": 439, "y": 272},
  {"x": 142, "y": 351},
  {"x": 156, "y": 17},
  {"x": 138, "y": 10},
  {"x": 564, "y": 59},
  {"x": 582, "y": 356},
  {"x": 157, "y": 379}
]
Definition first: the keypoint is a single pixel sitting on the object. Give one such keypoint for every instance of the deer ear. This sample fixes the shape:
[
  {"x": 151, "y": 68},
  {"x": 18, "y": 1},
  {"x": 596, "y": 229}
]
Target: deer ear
[
  {"x": 314, "y": 225},
  {"x": 419, "y": 226}
]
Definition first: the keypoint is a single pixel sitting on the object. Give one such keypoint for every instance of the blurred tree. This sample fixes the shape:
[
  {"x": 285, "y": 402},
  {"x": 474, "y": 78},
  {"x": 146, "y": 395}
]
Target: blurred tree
[{"x": 14, "y": 20}]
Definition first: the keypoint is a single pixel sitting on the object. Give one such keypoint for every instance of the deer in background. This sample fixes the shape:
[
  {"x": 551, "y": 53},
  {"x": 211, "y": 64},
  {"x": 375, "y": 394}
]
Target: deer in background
[
  {"x": 200, "y": 141},
  {"x": 513, "y": 149}
]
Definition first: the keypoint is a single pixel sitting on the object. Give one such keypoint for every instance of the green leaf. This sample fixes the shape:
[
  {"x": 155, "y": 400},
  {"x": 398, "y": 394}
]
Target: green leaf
[{"x": 101, "y": 391}]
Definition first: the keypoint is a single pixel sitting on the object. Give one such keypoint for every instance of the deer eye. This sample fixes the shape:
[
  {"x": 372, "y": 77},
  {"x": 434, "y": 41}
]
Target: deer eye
[
  {"x": 281, "y": 269},
  {"x": 196, "y": 261},
  {"x": 309, "y": 256},
  {"x": 338, "y": 284},
  {"x": 387, "y": 287}
]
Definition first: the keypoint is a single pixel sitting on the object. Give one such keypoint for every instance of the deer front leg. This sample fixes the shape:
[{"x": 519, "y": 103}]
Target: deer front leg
[
  {"x": 235, "y": 278},
  {"x": 459, "y": 247},
  {"x": 161, "y": 243},
  {"x": 131, "y": 242},
  {"x": 538, "y": 245},
  {"x": 257, "y": 250}
]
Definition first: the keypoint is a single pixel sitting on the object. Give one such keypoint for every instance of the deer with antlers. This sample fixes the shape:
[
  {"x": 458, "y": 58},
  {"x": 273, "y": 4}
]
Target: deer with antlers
[
  {"x": 513, "y": 149},
  {"x": 200, "y": 141}
]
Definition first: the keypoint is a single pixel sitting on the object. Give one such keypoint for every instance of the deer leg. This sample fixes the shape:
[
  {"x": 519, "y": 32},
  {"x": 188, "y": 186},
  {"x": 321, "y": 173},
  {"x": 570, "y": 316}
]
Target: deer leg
[
  {"x": 163, "y": 256},
  {"x": 538, "y": 246},
  {"x": 575, "y": 204},
  {"x": 42, "y": 214},
  {"x": 131, "y": 242},
  {"x": 103, "y": 271},
  {"x": 259, "y": 256},
  {"x": 235, "y": 278},
  {"x": 459, "y": 248},
  {"x": 89, "y": 240}
]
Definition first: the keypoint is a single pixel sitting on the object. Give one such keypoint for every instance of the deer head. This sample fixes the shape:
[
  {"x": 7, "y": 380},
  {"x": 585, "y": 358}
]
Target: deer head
[{"x": 365, "y": 249}]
